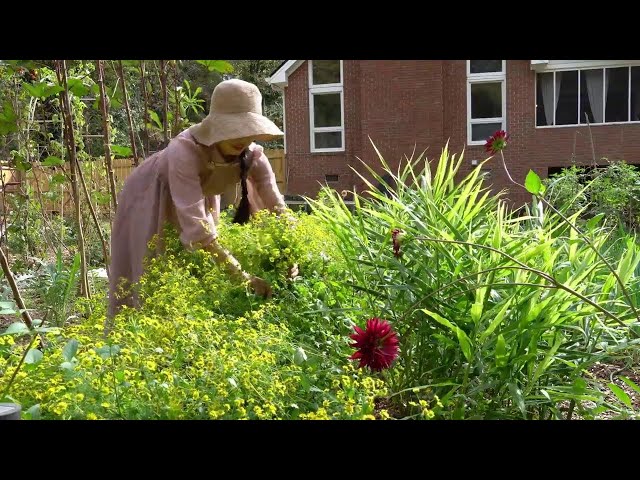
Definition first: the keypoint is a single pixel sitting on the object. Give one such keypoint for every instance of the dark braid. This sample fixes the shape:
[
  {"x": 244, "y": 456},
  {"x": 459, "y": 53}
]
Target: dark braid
[{"x": 244, "y": 209}]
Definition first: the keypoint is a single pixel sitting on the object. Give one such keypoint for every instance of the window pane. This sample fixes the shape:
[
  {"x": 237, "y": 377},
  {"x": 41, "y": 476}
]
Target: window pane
[
  {"x": 567, "y": 107},
  {"x": 591, "y": 90},
  {"x": 328, "y": 140},
  {"x": 485, "y": 66},
  {"x": 326, "y": 110},
  {"x": 482, "y": 131},
  {"x": 635, "y": 94},
  {"x": 486, "y": 100},
  {"x": 544, "y": 98},
  {"x": 325, "y": 71},
  {"x": 617, "y": 87}
]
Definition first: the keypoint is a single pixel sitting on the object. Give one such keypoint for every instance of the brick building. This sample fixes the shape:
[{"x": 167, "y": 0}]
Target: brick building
[{"x": 333, "y": 107}]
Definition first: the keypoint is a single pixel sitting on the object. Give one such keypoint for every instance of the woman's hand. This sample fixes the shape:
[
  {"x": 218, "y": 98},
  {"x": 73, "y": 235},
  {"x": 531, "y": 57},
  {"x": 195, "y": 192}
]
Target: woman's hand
[
  {"x": 293, "y": 271},
  {"x": 260, "y": 287}
]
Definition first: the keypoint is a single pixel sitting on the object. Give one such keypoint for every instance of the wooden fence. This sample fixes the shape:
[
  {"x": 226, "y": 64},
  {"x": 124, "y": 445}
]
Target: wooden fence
[{"x": 96, "y": 179}]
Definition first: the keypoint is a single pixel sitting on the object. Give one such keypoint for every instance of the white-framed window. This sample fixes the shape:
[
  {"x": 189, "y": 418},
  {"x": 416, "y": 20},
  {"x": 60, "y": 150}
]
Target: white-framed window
[
  {"x": 486, "y": 99},
  {"x": 595, "y": 96},
  {"x": 326, "y": 105}
]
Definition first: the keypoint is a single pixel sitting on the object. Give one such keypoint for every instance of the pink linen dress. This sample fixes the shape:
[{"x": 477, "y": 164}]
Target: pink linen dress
[{"x": 180, "y": 184}]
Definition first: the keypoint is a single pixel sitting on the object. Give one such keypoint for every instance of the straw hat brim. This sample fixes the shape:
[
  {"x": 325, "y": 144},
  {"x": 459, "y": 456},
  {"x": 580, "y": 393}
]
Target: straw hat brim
[{"x": 218, "y": 127}]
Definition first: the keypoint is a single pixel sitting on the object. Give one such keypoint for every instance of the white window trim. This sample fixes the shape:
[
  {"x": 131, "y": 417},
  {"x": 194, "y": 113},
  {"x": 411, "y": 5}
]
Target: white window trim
[
  {"x": 284, "y": 122},
  {"x": 558, "y": 65},
  {"x": 319, "y": 90},
  {"x": 493, "y": 77},
  {"x": 583, "y": 66}
]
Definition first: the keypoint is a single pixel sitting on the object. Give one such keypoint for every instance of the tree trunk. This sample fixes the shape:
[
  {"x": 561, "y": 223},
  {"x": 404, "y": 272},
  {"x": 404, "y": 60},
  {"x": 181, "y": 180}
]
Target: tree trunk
[
  {"x": 61, "y": 72},
  {"x": 106, "y": 132},
  {"x": 14, "y": 289},
  {"x": 165, "y": 101},
  {"x": 128, "y": 110},
  {"x": 143, "y": 82},
  {"x": 176, "y": 115}
]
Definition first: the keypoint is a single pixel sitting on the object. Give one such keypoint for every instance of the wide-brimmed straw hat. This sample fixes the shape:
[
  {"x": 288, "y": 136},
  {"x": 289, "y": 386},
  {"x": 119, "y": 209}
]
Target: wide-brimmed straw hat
[{"x": 235, "y": 113}]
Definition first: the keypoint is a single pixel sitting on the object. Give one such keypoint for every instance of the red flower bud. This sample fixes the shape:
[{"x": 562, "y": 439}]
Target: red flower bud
[
  {"x": 396, "y": 237},
  {"x": 496, "y": 142}
]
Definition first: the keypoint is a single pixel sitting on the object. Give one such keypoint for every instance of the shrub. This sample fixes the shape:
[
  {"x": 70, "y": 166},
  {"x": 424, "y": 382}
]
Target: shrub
[
  {"x": 498, "y": 315},
  {"x": 201, "y": 347}
]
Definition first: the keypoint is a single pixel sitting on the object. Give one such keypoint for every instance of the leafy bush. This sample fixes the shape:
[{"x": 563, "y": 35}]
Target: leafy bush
[
  {"x": 200, "y": 346},
  {"x": 499, "y": 316},
  {"x": 613, "y": 191}
]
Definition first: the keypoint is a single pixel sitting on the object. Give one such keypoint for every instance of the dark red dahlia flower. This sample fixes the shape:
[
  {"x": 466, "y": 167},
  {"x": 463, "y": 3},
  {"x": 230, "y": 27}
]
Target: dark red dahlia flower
[{"x": 377, "y": 345}]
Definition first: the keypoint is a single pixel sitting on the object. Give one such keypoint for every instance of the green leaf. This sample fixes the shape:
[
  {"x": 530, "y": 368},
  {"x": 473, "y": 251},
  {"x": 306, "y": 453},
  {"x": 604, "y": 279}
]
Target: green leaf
[
  {"x": 465, "y": 343},
  {"x": 52, "y": 162},
  {"x": 496, "y": 321},
  {"x": 35, "y": 90},
  {"x": 463, "y": 339},
  {"x": 121, "y": 151},
  {"x": 33, "y": 356},
  {"x": 621, "y": 394},
  {"x": 579, "y": 386},
  {"x": 120, "y": 375},
  {"x": 154, "y": 116},
  {"x": 67, "y": 365},
  {"x": 220, "y": 66},
  {"x": 8, "y": 308},
  {"x": 108, "y": 351},
  {"x": 8, "y": 123},
  {"x": 21, "y": 164},
  {"x": 101, "y": 198},
  {"x": 300, "y": 356},
  {"x": 46, "y": 329},
  {"x": 51, "y": 90},
  {"x": 33, "y": 413},
  {"x": 476, "y": 311},
  {"x": 77, "y": 87},
  {"x": 16, "y": 328},
  {"x": 501, "y": 351},
  {"x": 630, "y": 383},
  {"x": 533, "y": 183},
  {"x": 594, "y": 221},
  {"x": 57, "y": 178},
  {"x": 70, "y": 350},
  {"x": 518, "y": 398}
]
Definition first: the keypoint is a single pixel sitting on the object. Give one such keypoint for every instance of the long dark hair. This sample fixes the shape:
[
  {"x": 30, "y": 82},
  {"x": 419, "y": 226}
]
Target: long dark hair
[{"x": 244, "y": 209}]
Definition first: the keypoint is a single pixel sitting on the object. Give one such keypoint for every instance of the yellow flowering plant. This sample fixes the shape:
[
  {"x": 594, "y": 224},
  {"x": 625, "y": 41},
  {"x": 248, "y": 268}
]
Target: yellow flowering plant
[{"x": 203, "y": 347}]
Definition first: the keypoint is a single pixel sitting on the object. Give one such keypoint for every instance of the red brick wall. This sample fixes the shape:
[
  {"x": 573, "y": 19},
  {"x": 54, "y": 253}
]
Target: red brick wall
[
  {"x": 530, "y": 147},
  {"x": 402, "y": 104},
  {"x": 305, "y": 169},
  {"x": 396, "y": 103}
]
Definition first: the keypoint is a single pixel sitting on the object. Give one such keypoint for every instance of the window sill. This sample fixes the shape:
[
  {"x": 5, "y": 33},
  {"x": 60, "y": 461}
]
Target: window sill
[
  {"x": 327, "y": 152},
  {"x": 543, "y": 127}
]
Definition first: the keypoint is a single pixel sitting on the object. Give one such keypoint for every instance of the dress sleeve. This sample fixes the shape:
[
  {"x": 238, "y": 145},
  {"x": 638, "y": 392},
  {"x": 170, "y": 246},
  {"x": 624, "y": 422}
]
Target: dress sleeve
[{"x": 196, "y": 223}]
